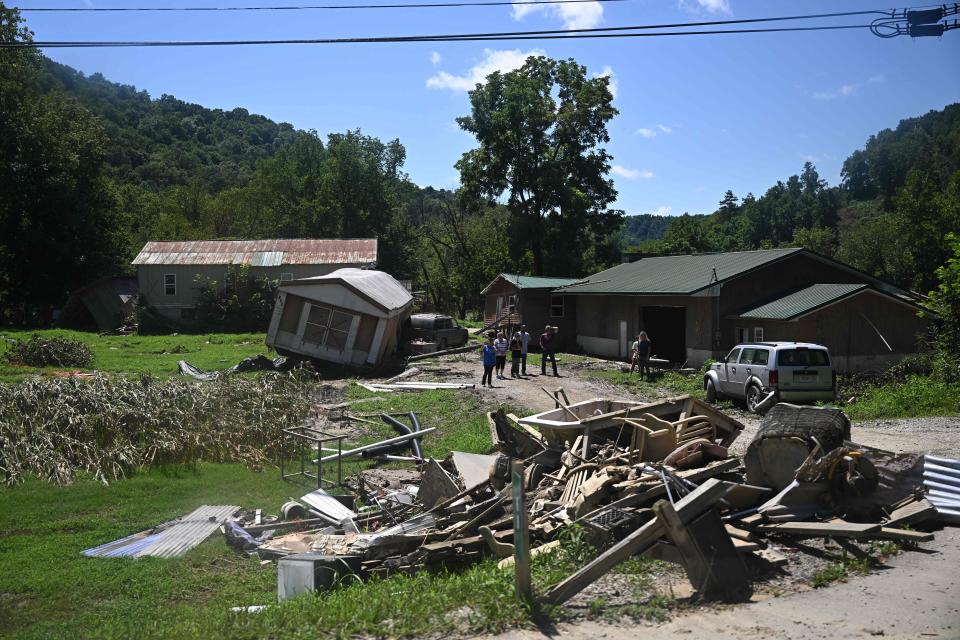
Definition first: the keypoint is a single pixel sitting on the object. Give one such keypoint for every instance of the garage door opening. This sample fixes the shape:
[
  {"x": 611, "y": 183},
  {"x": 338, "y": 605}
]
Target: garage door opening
[{"x": 667, "y": 328}]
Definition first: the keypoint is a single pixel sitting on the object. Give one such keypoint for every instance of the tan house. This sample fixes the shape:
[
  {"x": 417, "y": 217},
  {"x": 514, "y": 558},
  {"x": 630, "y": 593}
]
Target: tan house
[
  {"x": 167, "y": 272},
  {"x": 350, "y": 316},
  {"x": 512, "y": 300}
]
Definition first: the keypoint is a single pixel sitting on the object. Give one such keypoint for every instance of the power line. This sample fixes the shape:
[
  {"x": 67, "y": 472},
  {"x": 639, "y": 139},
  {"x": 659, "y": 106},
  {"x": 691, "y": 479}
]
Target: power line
[
  {"x": 566, "y": 35},
  {"x": 430, "y": 5}
]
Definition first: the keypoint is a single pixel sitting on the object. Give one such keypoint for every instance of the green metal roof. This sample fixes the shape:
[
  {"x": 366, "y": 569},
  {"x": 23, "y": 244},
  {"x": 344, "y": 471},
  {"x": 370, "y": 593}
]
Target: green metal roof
[
  {"x": 803, "y": 301},
  {"x": 536, "y": 282},
  {"x": 675, "y": 274}
]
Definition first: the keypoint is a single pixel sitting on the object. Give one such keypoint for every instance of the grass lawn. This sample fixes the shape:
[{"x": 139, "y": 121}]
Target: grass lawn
[
  {"x": 916, "y": 396},
  {"x": 656, "y": 384},
  {"x": 136, "y": 354},
  {"x": 48, "y": 589}
]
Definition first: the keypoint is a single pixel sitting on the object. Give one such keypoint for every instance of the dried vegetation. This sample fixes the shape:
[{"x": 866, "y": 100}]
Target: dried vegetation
[
  {"x": 48, "y": 351},
  {"x": 109, "y": 426}
]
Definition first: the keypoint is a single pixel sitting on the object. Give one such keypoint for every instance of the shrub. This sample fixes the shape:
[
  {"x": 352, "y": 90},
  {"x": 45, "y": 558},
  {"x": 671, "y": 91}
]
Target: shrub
[
  {"x": 241, "y": 302},
  {"x": 49, "y": 352}
]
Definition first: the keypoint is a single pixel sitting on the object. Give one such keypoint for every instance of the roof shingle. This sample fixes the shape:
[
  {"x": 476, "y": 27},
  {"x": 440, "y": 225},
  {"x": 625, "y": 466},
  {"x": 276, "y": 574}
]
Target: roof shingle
[{"x": 259, "y": 252}]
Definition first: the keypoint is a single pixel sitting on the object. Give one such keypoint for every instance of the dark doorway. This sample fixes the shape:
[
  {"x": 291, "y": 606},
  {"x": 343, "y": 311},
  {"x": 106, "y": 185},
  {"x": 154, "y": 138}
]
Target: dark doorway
[{"x": 667, "y": 328}]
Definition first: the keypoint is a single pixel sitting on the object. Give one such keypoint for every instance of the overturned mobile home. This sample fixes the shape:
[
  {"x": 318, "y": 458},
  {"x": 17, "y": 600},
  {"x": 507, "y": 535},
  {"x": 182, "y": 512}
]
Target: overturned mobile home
[{"x": 350, "y": 316}]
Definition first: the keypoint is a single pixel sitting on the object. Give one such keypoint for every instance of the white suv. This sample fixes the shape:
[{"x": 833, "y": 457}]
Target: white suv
[{"x": 794, "y": 371}]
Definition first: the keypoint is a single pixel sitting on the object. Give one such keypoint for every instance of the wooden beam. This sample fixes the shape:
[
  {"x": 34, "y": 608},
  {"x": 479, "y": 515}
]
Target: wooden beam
[
  {"x": 829, "y": 529},
  {"x": 638, "y": 541}
]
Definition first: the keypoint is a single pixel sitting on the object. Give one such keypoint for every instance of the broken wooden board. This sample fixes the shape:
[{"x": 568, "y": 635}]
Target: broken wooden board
[
  {"x": 709, "y": 554},
  {"x": 772, "y": 556},
  {"x": 829, "y": 529},
  {"x": 688, "y": 508},
  {"x": 911, "y": 513},
  {"x": 903, "y": 535}
]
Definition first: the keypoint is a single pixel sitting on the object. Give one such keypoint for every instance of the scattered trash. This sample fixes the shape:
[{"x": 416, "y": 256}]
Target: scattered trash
[{"x": 253, "y": 363}]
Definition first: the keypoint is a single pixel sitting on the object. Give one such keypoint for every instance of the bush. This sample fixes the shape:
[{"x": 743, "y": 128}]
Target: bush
[
  {"x": 242, "y": 302},
  {"x": 49, "y": 352},
  {"x": 56, "y": 427}
]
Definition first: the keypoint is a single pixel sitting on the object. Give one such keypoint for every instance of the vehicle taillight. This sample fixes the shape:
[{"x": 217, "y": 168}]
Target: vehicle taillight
[{"x": 774, "y": 377}]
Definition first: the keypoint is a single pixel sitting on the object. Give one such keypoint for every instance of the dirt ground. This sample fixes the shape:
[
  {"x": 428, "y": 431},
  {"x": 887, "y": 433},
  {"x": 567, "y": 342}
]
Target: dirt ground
[{"x": 915, "y": 594}]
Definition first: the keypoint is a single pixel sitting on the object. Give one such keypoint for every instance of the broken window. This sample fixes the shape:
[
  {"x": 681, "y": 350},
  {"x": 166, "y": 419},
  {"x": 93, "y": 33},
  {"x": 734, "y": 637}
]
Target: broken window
[
  {"x": 327, "y": 327},
  {"x": 170, "y": 284}
]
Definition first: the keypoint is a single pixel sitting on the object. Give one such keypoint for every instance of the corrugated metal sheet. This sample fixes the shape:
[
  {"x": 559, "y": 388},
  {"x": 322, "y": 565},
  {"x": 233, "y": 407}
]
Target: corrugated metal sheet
[
  {"x": 377, "y": 285},
  {"x": 533, "y": 282},
  {"x": 201, "y": 252},
  {"x": 674, "y": 274},
  {"x": 267, "y": 259},
  {"x": 802, "y": 301},
  {"x": 171, "y": 539},
  {"x": 328, "y": 506}
]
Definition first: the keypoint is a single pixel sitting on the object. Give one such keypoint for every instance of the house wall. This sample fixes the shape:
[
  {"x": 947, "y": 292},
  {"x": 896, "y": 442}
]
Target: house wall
[
  {"x": 536, "y": 310},
  {"x": 500, "y": 289},
  {"x": 370, "y": 331},
  {"x": 150, "y": 279},
  {"x": 599, "y": 319},
  {"x": 851, "y": 330}
]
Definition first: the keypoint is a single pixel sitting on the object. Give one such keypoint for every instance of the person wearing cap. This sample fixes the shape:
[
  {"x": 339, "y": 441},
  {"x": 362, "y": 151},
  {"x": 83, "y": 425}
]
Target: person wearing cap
[
  {"x": 524, "y": 346},
  {"x": 548, "y": 343}
]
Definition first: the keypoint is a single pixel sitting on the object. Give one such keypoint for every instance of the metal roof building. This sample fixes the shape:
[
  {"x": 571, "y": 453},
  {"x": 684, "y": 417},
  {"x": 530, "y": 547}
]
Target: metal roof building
[
  {"x": 696, "y": 307},
  {"x": 169, "y": 273}
]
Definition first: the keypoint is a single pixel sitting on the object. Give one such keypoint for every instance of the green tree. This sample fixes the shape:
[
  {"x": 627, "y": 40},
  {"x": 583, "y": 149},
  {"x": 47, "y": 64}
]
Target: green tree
[
  {"x": 540, "y": 128},
  {"x": 945, "y": 300},
  {"x": 58, "y": 213}
]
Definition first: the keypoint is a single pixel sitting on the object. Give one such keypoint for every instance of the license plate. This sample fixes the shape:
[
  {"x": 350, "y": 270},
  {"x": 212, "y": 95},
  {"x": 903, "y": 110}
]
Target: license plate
[{"x": 805, "y": 376}]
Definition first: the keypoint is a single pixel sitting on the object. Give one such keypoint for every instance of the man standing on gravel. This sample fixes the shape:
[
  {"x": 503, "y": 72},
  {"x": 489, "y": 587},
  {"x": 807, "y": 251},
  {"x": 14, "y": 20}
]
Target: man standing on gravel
[
  {"x": 548, "y": 343},
  {"x": 524, "y": 345}
]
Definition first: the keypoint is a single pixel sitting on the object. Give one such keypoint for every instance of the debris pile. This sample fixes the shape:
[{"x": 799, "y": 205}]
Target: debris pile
[{"x": 641, "y": 478}]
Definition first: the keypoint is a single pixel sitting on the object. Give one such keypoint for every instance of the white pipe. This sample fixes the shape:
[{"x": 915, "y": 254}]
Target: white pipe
[{"x": 366, "y": 447}]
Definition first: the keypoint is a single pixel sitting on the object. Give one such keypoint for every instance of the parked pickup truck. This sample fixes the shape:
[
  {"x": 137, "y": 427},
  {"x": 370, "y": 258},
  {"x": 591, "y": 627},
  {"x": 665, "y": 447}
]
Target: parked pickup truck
[
  {"x": 434, "y": 327},
  {"x": 794, "y": 371}
]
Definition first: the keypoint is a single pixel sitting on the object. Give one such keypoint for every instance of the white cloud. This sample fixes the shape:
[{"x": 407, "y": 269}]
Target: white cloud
[
  {"x": 663, "y": 211},
  {"x": 631, "y": 174},
  {"x": 579, "y": 15},
  {"x": 849, "y": 89},
  {"x": 606, "y": 72},
  {"x": 710, "y": 6},
  {"x": 435, "y": 58},
  {"x": 502, "y": 60},
  {"x": 652, "y": 132}
]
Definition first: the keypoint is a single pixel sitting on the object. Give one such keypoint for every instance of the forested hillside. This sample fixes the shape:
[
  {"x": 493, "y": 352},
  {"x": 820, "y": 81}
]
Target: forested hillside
[
  {"x": 898, "y": 199},
  {"x": 90, "y": 170}
]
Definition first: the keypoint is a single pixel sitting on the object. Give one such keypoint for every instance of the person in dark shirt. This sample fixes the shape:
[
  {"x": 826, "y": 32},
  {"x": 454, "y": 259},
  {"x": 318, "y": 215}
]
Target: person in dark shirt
[
  {"x": 516, "y": 346},
  {"x": 642, "y": 350},
  {"x": 548, "y": 343}
]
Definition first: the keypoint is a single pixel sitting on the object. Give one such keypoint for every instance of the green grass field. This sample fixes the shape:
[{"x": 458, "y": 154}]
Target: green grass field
[{"x": 136, "y": 354}]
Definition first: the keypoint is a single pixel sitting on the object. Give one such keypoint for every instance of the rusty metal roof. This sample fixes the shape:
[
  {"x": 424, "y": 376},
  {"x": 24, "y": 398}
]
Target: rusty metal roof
[{"x": 259, "y": 252}]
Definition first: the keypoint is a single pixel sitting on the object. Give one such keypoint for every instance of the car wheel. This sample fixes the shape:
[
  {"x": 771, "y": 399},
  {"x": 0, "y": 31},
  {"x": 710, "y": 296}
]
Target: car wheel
[
  {"x": 754, "y": 396},
  {"x": 711, "y": 391}
]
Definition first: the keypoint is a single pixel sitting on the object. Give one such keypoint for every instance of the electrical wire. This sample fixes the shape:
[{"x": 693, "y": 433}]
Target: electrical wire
[
  {"x": 427, "y": 38},
  {"x": 430, "y": 5}
]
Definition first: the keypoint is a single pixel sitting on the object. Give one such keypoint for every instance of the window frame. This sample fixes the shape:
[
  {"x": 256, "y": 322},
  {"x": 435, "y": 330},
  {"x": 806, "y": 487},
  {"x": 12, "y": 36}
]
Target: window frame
[
  {"x": 286, "y": 277},
  {"x": 167, "y": 284},
  {"x": 758, "y": 334},
  {"x": 553, "y": 306},
  {"x": 327, "y": 328}
]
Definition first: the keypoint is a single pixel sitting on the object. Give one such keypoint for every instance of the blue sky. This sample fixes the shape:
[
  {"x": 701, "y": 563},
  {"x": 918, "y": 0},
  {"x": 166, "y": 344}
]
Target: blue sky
[{"x": 698, "y": 115}]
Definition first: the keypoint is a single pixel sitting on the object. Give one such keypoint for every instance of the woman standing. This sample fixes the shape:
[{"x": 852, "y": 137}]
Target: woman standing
[
  {"x": 489, "y": 360},
  {"x": 643, "y": 353},
  {"x": 501, "y": 344},
  {"x": 516, "y": 349}
]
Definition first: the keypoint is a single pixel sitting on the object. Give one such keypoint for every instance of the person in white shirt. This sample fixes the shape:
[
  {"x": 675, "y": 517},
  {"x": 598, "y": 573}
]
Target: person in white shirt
[
  {"x": 524, "y": 345},
  {"x": 501, "y": 345}
]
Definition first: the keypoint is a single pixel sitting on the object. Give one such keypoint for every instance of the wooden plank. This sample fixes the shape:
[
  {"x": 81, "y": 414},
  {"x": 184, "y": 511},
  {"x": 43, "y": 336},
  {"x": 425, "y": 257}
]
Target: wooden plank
[
  {"x": 831, "y": 529},
  {"x": 638, "y": 541},
  {"x": 911, "y": 513},
  {"x": 741, "y": 534},
  {"x": 743, "y": 546},
  {"x": 521, "y": 537},
  {"x": 775, "y": 558},
  {"x": 709, "y": 554},
  {"x": 905, "y": 535}
]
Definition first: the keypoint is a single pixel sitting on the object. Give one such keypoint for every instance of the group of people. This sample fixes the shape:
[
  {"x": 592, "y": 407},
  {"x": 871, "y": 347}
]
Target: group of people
[
  {"x": 640, "y": 354},
  {"x": 494, "y": 352}
]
